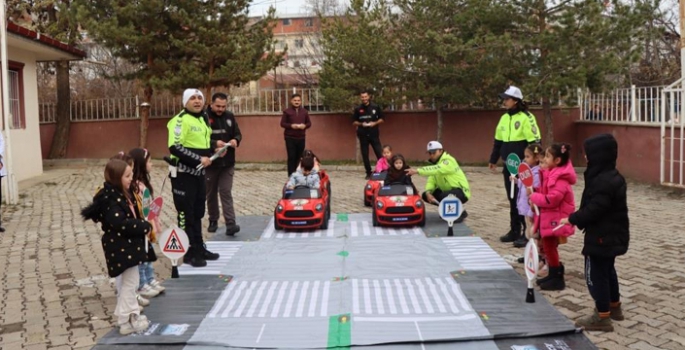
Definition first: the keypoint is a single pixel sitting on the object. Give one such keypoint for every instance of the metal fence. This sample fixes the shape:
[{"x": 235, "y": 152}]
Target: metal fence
[
  {"x": 628, "y": 105},
  {"x": 672, "y": 170}
]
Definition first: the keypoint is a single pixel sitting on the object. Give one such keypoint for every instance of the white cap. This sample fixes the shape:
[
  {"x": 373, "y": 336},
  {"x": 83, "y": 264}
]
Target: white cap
[
  {"x": 190, "y": 93},
  {"x": 433, "y": 145},
  {"x": 512, "y": 92}
]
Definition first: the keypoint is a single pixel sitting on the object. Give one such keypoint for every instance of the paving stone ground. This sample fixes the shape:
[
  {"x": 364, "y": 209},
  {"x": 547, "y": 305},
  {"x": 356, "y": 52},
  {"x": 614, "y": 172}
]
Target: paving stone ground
[{"x": 54, "y": 293}]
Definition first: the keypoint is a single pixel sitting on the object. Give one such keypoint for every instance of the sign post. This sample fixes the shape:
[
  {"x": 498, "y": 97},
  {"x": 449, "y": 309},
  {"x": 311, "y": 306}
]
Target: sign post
[
  {"x": 174, "y": 244},
  {"x": 450, "y": 210},
  {"x": 513, "y": 162},
  {"x": 531, "y": 262},
  {"x": 526, "y": 176}
]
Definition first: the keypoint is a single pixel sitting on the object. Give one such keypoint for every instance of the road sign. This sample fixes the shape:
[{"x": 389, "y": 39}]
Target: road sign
[
  {"x": 526, "y": 174},
  {"x": 155, "y": 208},
  {"x": 530, "y": 259},
  {"x": 513, "y": 162},
  {"x": 147, "y": 198},
  {"x": 174, "y": 244},
  {"x": 450, "y": 210}
]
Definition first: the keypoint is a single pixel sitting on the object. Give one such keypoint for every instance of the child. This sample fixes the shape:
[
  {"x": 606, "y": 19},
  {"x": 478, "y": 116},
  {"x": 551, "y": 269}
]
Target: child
[
  {"x": 123, "y": 240},
  {"x": 555, "y": 201},
  {"x": 397, "y": 174},
  {"x": 305, "y": 176},
  {"x": 532, "y": 156},
  {"x": 142, "y": 165},
  {"x": 383, "y": 164},
  {"x": 603, "y": 216},
  {"x": 310, "y": 154}
]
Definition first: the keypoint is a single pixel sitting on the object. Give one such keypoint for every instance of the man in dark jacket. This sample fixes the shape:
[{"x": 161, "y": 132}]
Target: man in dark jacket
[
  {"x": 603, "y": 216},
  {"x": 295, "y": 121},
  {"x": 219, "y": 175},
  {"x": 367, "y": 116}
]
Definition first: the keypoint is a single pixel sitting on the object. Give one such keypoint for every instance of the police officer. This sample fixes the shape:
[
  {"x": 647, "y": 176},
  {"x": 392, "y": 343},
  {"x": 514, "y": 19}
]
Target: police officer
[
  {"x": 225, "y": 130},
  {"x": 367, "y": 117},
  {"x": 189, "y": 146},
  {"x": 445, "y": 177},
  {"x": 516, "y": 130}
]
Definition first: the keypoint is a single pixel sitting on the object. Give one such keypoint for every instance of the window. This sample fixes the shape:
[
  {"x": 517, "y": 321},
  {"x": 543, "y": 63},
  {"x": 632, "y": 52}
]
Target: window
[
  {"x": 16, "y": 89},
  {"x": 296, "y": 64},
  {"x": 286, "y": 21},
  {"x": 278, "y": 45},
  {"x": 299, "y": 43},
  {"x": 308, "y": 22}
]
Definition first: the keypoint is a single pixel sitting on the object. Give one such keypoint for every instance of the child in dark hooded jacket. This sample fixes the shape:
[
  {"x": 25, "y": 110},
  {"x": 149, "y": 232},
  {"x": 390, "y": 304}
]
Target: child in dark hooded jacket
[
  {"x": 397, "y": 173},
  {"x": 603, "y": 217}
]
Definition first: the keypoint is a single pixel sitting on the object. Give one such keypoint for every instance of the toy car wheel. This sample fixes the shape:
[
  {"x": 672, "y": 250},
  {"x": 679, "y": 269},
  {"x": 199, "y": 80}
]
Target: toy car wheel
[
  {"x": 326, "y": 217},
  {"x": 276, "y": 226},
  {"x": 366, "y": 203},
  {"x": 374, "y": 219},
  {"x": 422, "y": 223}
]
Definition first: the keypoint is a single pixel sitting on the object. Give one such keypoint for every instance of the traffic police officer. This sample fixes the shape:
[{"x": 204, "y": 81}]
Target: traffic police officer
[
  {"x": 189, "y": 135},
  {"x": 366, "y": 118},
  {"x": 516, "y": 130},
  {"x": 445, "y": 177}
]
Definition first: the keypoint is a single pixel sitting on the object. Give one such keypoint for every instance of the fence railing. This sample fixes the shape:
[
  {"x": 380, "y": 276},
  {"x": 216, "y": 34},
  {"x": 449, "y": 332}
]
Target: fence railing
[{"x": 628, "y": 105}]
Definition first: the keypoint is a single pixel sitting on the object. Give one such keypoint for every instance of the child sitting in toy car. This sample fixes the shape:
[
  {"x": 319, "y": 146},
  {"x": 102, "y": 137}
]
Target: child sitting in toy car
[
  {"x": 305, "y": 175},
  {"x": 396, "y": 173}
]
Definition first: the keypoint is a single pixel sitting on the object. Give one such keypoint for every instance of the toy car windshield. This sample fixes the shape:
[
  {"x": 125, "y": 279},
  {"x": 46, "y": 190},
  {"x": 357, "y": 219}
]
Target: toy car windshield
[
  {"x": 379, "y": 176},
  {"x": 302, "y": 193},
  {"x": 396, "y": 190}
]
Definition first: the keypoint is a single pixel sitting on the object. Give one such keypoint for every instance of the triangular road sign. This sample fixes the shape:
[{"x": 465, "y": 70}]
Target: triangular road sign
[{"x": 173, "y": 244}]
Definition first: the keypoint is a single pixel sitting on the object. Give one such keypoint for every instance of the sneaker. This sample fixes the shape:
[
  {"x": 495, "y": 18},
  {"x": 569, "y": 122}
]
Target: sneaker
[
  {"x": 142, "y": 301},
  {"x": 137, "y": 324},
  {"x": 596, "y": 323},
  {"x": 146, "y": 291},
  {"x": 232, "y": 230},
  {"x": 207, "y": 255},
  {"x": 213, "y": 226},
  {"x": 509, "y": 237},
  {"x": 195, "y": 258},
  {"x": 616, "y": 312},
  {"x": 2, "y": 229},
  {"x": 157, "y": 286},
  {"x": 461, "y": 217}
]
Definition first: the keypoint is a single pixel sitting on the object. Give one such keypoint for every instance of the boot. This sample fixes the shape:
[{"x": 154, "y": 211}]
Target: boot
[
  {"x": 509, "y": 237},
  {"x": 616, "y": 311},
  {"x": 521, "y": 242},
  {"x": 596, "y": 322},
  {"x": 206, "y": 254},
  {"x": 213, "y": 226},
  {"x": 540, "y": 281},
  {"x": 555, "y": 281},
  {"x": 196, "y": 257},
  {"x": 188, "y": 255},
  {"x": 231, "y": 230}
]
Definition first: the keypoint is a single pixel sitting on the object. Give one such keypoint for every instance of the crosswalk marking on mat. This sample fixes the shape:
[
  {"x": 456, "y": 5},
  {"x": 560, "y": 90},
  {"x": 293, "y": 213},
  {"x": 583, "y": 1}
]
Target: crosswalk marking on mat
[
  {"x": 226, "y": 251},
  {"x": 472, "y": 253},
  {"x": 273, "y": 299},
  {"x": 271, "y": 233},
  {"x": 440, "y": 296},
  {"x": 364, "y": 228},
  {"x": 354, "y": 229}
]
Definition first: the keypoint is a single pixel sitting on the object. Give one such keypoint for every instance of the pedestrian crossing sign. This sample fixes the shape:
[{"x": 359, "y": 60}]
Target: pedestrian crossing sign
[
  {"x": 173, "y": 244},
  {"x": 450, "y": 208}
]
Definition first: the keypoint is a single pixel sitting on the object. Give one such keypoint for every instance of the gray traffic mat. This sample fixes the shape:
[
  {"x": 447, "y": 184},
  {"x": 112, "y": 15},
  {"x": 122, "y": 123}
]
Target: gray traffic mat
[{"x": 352, "y": 285}]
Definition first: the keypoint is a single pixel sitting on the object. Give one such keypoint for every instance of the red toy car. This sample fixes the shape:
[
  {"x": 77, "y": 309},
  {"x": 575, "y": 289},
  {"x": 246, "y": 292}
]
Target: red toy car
[
  {"x": 372, "y": 186},
  {"x": 398, "y": 205},
  {"x": 304, "y": 207}
]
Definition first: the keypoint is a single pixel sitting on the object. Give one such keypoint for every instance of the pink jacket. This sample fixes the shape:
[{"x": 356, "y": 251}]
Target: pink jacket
[
  {"x": 382, "y": 165},
  {"x": 556, "y": 200}
]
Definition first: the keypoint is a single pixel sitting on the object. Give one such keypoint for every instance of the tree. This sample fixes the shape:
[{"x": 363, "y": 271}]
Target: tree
[
  {"x": 58, "y": 20},
  {"x": 178, "y": 44}
]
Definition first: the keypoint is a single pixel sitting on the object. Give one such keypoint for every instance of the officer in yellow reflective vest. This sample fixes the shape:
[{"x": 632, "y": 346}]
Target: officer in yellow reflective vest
[
  {"x": 516, "y": 130},
  {"x": 189, "y": 135}
]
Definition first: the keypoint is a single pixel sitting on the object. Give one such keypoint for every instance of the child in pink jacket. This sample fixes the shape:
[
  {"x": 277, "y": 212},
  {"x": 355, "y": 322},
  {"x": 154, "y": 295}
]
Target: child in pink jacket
[
  {"x": 383, "y": 164},
  {"x": 556, "y": 201}
]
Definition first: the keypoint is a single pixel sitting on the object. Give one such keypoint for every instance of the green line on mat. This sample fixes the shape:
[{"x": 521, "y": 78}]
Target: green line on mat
[
  {"x": 343, "y": 253},
  {"x": 339, "y": 331},
  {"x": 342, "y": 217}
]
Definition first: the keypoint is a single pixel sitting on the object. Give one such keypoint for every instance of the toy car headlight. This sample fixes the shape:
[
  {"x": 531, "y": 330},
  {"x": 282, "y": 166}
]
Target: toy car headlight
[
  {"x": 419, "y": 204},
  {"x": 319, "y": 207},
  {"x": 379, "y": 205},
  {"x": 368, "y": 186},
  {"x": 279, "y": 208}
]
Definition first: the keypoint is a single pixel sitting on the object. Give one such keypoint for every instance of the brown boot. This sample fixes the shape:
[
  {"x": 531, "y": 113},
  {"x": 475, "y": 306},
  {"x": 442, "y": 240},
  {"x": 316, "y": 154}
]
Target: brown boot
[
  {"x": 596, "y": 322},
  {"x": 616, "y": 311}
]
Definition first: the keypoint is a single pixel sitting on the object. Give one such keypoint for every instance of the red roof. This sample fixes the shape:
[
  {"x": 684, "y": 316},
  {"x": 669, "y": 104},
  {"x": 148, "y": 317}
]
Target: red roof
[{"x": 44, "y": 39}]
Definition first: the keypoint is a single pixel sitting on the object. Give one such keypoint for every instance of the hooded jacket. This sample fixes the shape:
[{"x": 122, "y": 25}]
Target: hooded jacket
[
  {"x": 398, "y": 176},
  {"x": 556, "y": 200},
  {"x": 123, "y": 240},
  {"x": 603, "y": 213},
  {"x": 522, "y": 200},
  {"x": 382, "y": 165}
]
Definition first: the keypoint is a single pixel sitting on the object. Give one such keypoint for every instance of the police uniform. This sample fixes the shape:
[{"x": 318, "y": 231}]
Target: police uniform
[
  {"x": 516, "y": 130},
  {"x": 445, "y": 177},
  {"x": 368, "y": 136},
  {"x": 189, "y": 140}
]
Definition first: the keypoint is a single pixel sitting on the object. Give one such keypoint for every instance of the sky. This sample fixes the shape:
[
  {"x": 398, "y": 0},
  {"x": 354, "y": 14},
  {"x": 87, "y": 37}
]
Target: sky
[{"x": 259, "y": 7}]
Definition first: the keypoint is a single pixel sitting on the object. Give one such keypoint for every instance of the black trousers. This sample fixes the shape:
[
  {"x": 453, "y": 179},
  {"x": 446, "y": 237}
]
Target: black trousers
[
  {"x": 294, "y": 148},
  {"x": 517, "y": 222},
  {"x": 373, "y": 140},
  {"x": 440, "y": 195},
  {"x": 602, "y": 281},
  {"x": 189, "y": 199}
]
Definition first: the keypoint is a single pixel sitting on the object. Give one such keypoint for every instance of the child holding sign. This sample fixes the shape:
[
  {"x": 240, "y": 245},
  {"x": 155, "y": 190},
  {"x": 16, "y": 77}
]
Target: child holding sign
[
  {"x": 123, "y": 240},
  {"x": 603, "y": 216},
  {"x": 148, "y": 287},
  {"x": 532, "y": 156},
  {"x": 556, "y": 201}
]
